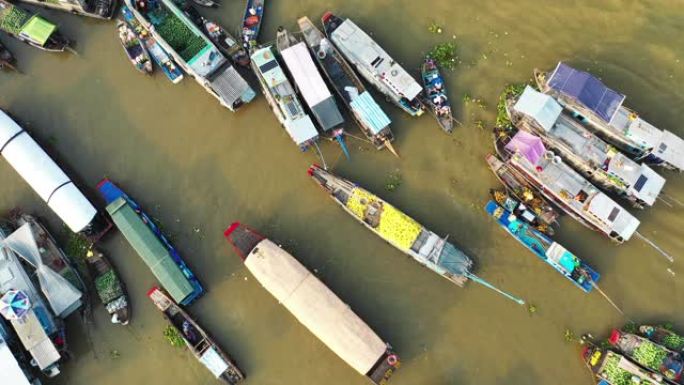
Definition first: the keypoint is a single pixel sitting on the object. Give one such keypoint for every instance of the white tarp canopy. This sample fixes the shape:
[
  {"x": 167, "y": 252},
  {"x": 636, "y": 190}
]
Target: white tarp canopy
[
  {"x": 9, "y": 367},
  {"x": 305, "y": 74},
  {"x": 61, "y": 294},
  {"x": 540, "y": 107},
  {"x": 44, "y": 175},
  {"x": 213, "y": 361},
  {"x": 315, "y": 306}
]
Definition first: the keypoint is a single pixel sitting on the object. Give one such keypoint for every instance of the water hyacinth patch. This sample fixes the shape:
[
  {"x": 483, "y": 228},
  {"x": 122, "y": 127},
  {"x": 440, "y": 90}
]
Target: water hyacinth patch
[{"x": 445, "y": 55}]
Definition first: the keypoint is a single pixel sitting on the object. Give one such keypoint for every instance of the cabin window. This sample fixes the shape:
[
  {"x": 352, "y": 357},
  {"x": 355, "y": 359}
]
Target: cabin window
[
  {"x": 662, "y": 148},
  {"x": 640, "y": 183},
  {"x": 376, "y": 62},
  {"x": 268, "y": 66},
  {"x": 581, "y": 196},
  {"x": 613, "y": 214}
]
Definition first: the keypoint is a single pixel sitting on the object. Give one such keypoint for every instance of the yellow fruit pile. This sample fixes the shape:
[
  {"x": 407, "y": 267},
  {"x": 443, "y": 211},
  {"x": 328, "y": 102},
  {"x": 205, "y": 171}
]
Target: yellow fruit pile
[
  {"x": 398, "y": 227},
  {"x": 359, "y": 200}
]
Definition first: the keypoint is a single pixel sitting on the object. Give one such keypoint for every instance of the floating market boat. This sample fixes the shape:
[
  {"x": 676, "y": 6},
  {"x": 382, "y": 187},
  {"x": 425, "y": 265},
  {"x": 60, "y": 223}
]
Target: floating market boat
[
  {"x": 374, "y": 64},
  {"x": 49, "y": 181},
  {"x": 367, "y": 114},
  {"x": 549, "y": 251},
  {"x": 223, "y": 39},
  {"x": 32, "y": 29},
  {"x": 283, "y": 99},
  {"x": 193, "y": 51},
  {"x": 157, "y": 53},
  {"x": 604, "y": 165},
  {"x": 109, "y": 287},
  {"x": 562, "y": 185},
  {"x": 520, "y": 210},
  {"x": 6, "y": 58},
  {"x": 611, "y": 368},
  {"x": 602, "y": 109},
  {"x": 251, "y": 23},
  {"x": 311, "y": 86},
  {"x": 134, "y": 48},
  {"x": 436, "y": 97},
  {"x": 662, "y": 336},
  {"x": 314, "y": 305},
  {"x": 202, "y": 346},
  {"x": 151, "y": 245},
  {"x": 650, "y": 355},
  {"x": 517, "y": 186},
  {"x": 400, "y": 230},
  {"x": 101, "y": 9}
]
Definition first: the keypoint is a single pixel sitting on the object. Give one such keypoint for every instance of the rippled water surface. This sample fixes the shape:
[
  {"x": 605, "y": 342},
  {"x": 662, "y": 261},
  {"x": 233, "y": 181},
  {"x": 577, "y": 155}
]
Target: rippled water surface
[{"x": 198, "y": 167}]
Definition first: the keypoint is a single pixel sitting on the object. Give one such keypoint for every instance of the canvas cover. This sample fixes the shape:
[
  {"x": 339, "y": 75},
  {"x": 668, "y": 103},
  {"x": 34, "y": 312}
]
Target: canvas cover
[
  {"x": 370, "y": 112},
  {"x": 587, "y": 90},
  {"x": 35, "y": 341},
  {"x": 315, "y": 306},
  {"x": 305, "y": 74},
  {"x": 38, "y": 29},
  {"x": 213, "y": 361},
  {"x": 12, "y": 374},
  {"x": 540, "y": 107},
  {"x": 529, "y": 145},
  {"x": 155, "y": 255}
]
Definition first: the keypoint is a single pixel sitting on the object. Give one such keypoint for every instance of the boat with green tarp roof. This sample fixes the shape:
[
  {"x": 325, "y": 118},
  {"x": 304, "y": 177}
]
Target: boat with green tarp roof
[{"x": 32, "y": 29}]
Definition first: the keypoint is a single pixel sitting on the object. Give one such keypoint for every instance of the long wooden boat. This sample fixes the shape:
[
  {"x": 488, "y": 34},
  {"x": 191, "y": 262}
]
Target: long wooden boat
[
  {"x": 524, "y": 213},
  {"x": 99, "y": 9},
  {"x": 436, "y": 98},
  {"x": 157, "y": 53},
  {"x": 595, "y": 159},
  {"x": 193, "y": 51},
  {"x": 220, "y": 36},
  {"x": 251, "y": 23},
  {"x": 32, "y": 29},
  {"x": 151, "y": 245},
  {"x": 546, "y": 249},
  {"x": 314, "y": 305},
  {"x": 602, "y": 109},
  {"x": 517, "y": 186},
  {"x": 367, "y": 114},
  {"x": 6, "y": 58},
  {"x": 311, "y": 86},
  {"x": 198, "y": 341},
  {"x": 663, "y": 336},
  {"x": 283, "y": 99},
  {"x": 134, "y": 48},
  {"x": 374, "y": 64},
  {"x": 651, "y": 356},
  {"x": 611, "y": 368},
  {"x": 559, "y": 183},
  {"x": 109, "y": 287},
  {"x": 400, "y": 230}
]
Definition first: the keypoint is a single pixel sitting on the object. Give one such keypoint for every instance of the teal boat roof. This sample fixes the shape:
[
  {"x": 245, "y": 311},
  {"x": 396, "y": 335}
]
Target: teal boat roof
[
  {"x": 152, "y": 251},
  {"x": 370, "y": 112}
]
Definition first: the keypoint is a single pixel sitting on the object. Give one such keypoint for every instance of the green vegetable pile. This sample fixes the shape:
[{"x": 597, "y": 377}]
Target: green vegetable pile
[
  {"x": 13, "y": 19},
  {"x": 502, "y": 120},
  {"x": 673, "y": 341},
  {"x": 613, "y": 373},
  {"x": 174, "y": 337},
  {"x": 445, "y": 55},
  {"x": 177, "y": 34},
  {"x": 650, "y": 355},
  {"x": 108, "y": 287}
]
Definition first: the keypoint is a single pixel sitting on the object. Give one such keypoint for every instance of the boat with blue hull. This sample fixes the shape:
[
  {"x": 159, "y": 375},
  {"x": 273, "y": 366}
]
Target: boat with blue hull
[
  {"x": 549, "y": 251},
  {"x": 184, "y": 289},
  {"x": 251, "y": 23}
]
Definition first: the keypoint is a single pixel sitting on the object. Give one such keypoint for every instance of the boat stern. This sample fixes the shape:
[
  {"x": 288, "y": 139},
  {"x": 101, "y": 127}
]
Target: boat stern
[
  {"x": 109, "y": 191},
  {"x": 385, "y": 367},
  {"x": 330, "y": 22},
  {"x": 647, "y": 185},
  {"x": 243, "y": 239}
]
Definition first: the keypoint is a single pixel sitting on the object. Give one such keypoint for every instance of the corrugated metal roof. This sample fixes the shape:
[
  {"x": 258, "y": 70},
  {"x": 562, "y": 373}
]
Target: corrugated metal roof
[
  {"x": 150, "y": 249},
  {"x": 370, "y": 112},
  {"x": 231, "y": 86}
]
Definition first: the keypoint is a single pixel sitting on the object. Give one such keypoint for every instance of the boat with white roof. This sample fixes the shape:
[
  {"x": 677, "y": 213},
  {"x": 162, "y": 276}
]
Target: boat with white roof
[
  {"x": 602, "y": 109},
  {"x": 598, "y": 161},
  {"x": 14, "y": 366},
  {"x": 374, "y": 64}
]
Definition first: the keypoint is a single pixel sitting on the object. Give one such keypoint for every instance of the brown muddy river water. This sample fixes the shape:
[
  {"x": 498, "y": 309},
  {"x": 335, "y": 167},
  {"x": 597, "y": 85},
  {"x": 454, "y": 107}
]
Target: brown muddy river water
[{"x": 198, "y": 167}]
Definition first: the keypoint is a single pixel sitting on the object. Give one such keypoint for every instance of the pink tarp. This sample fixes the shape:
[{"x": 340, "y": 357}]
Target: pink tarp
[{"x": 528, "y": 145}]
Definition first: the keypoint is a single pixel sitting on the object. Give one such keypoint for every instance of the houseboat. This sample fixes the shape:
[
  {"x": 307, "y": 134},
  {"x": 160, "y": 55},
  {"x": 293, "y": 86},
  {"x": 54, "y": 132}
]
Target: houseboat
[
  {"x": 220, "y": 36},
  {"x": 374, "y": 64},
  {"x": 546, "y": 249},
  {"x": 610, "y": 368},
  {"x": 283, "y": 99},
  {"x": 32, "y": 29},
  {"x": 109, "y": 287},
  {"x": 193, "y": 51},
  {"x": 400, "y": 230},
  {"x": 151, "y": 245},
  {"x": 596, "y": 160},
  {"x": 314, "y": 305},
  {"x": 656, "y": 358},
  {"x": 311, "y": 86},
  {"x": 562, "y": 185},
  {"x": 367, "y": 114},
  {"x": 251, "y": 23},
  {"x": 100, "y": 9},
  {"x": 663, "y": 336},
  {"x": 157, "y": 53},
  {"x": 207, "y": 352},
  {"x": 602, "y": 109},
  {"x": 48, "y": 180}
]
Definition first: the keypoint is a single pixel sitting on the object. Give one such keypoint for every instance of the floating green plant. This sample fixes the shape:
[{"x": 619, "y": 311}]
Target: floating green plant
[
  {"x": 502, "y": 119},
  {"x": 445, "y": 55},
  {"x": 393, "y": 181},
  {"x": 174, "y": 337}
]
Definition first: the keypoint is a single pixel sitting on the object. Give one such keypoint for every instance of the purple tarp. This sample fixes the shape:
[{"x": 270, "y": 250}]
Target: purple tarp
[
  {"x": 528, "y": 145},
  {"x": 586, "y": 89}
]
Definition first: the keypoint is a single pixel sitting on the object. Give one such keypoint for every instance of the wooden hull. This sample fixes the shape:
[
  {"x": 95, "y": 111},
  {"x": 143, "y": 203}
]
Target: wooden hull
[
  {"x": 251, "y": 23},
  {"x": 99, "y": 267},
  {"x": 442, "y": 111}
]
